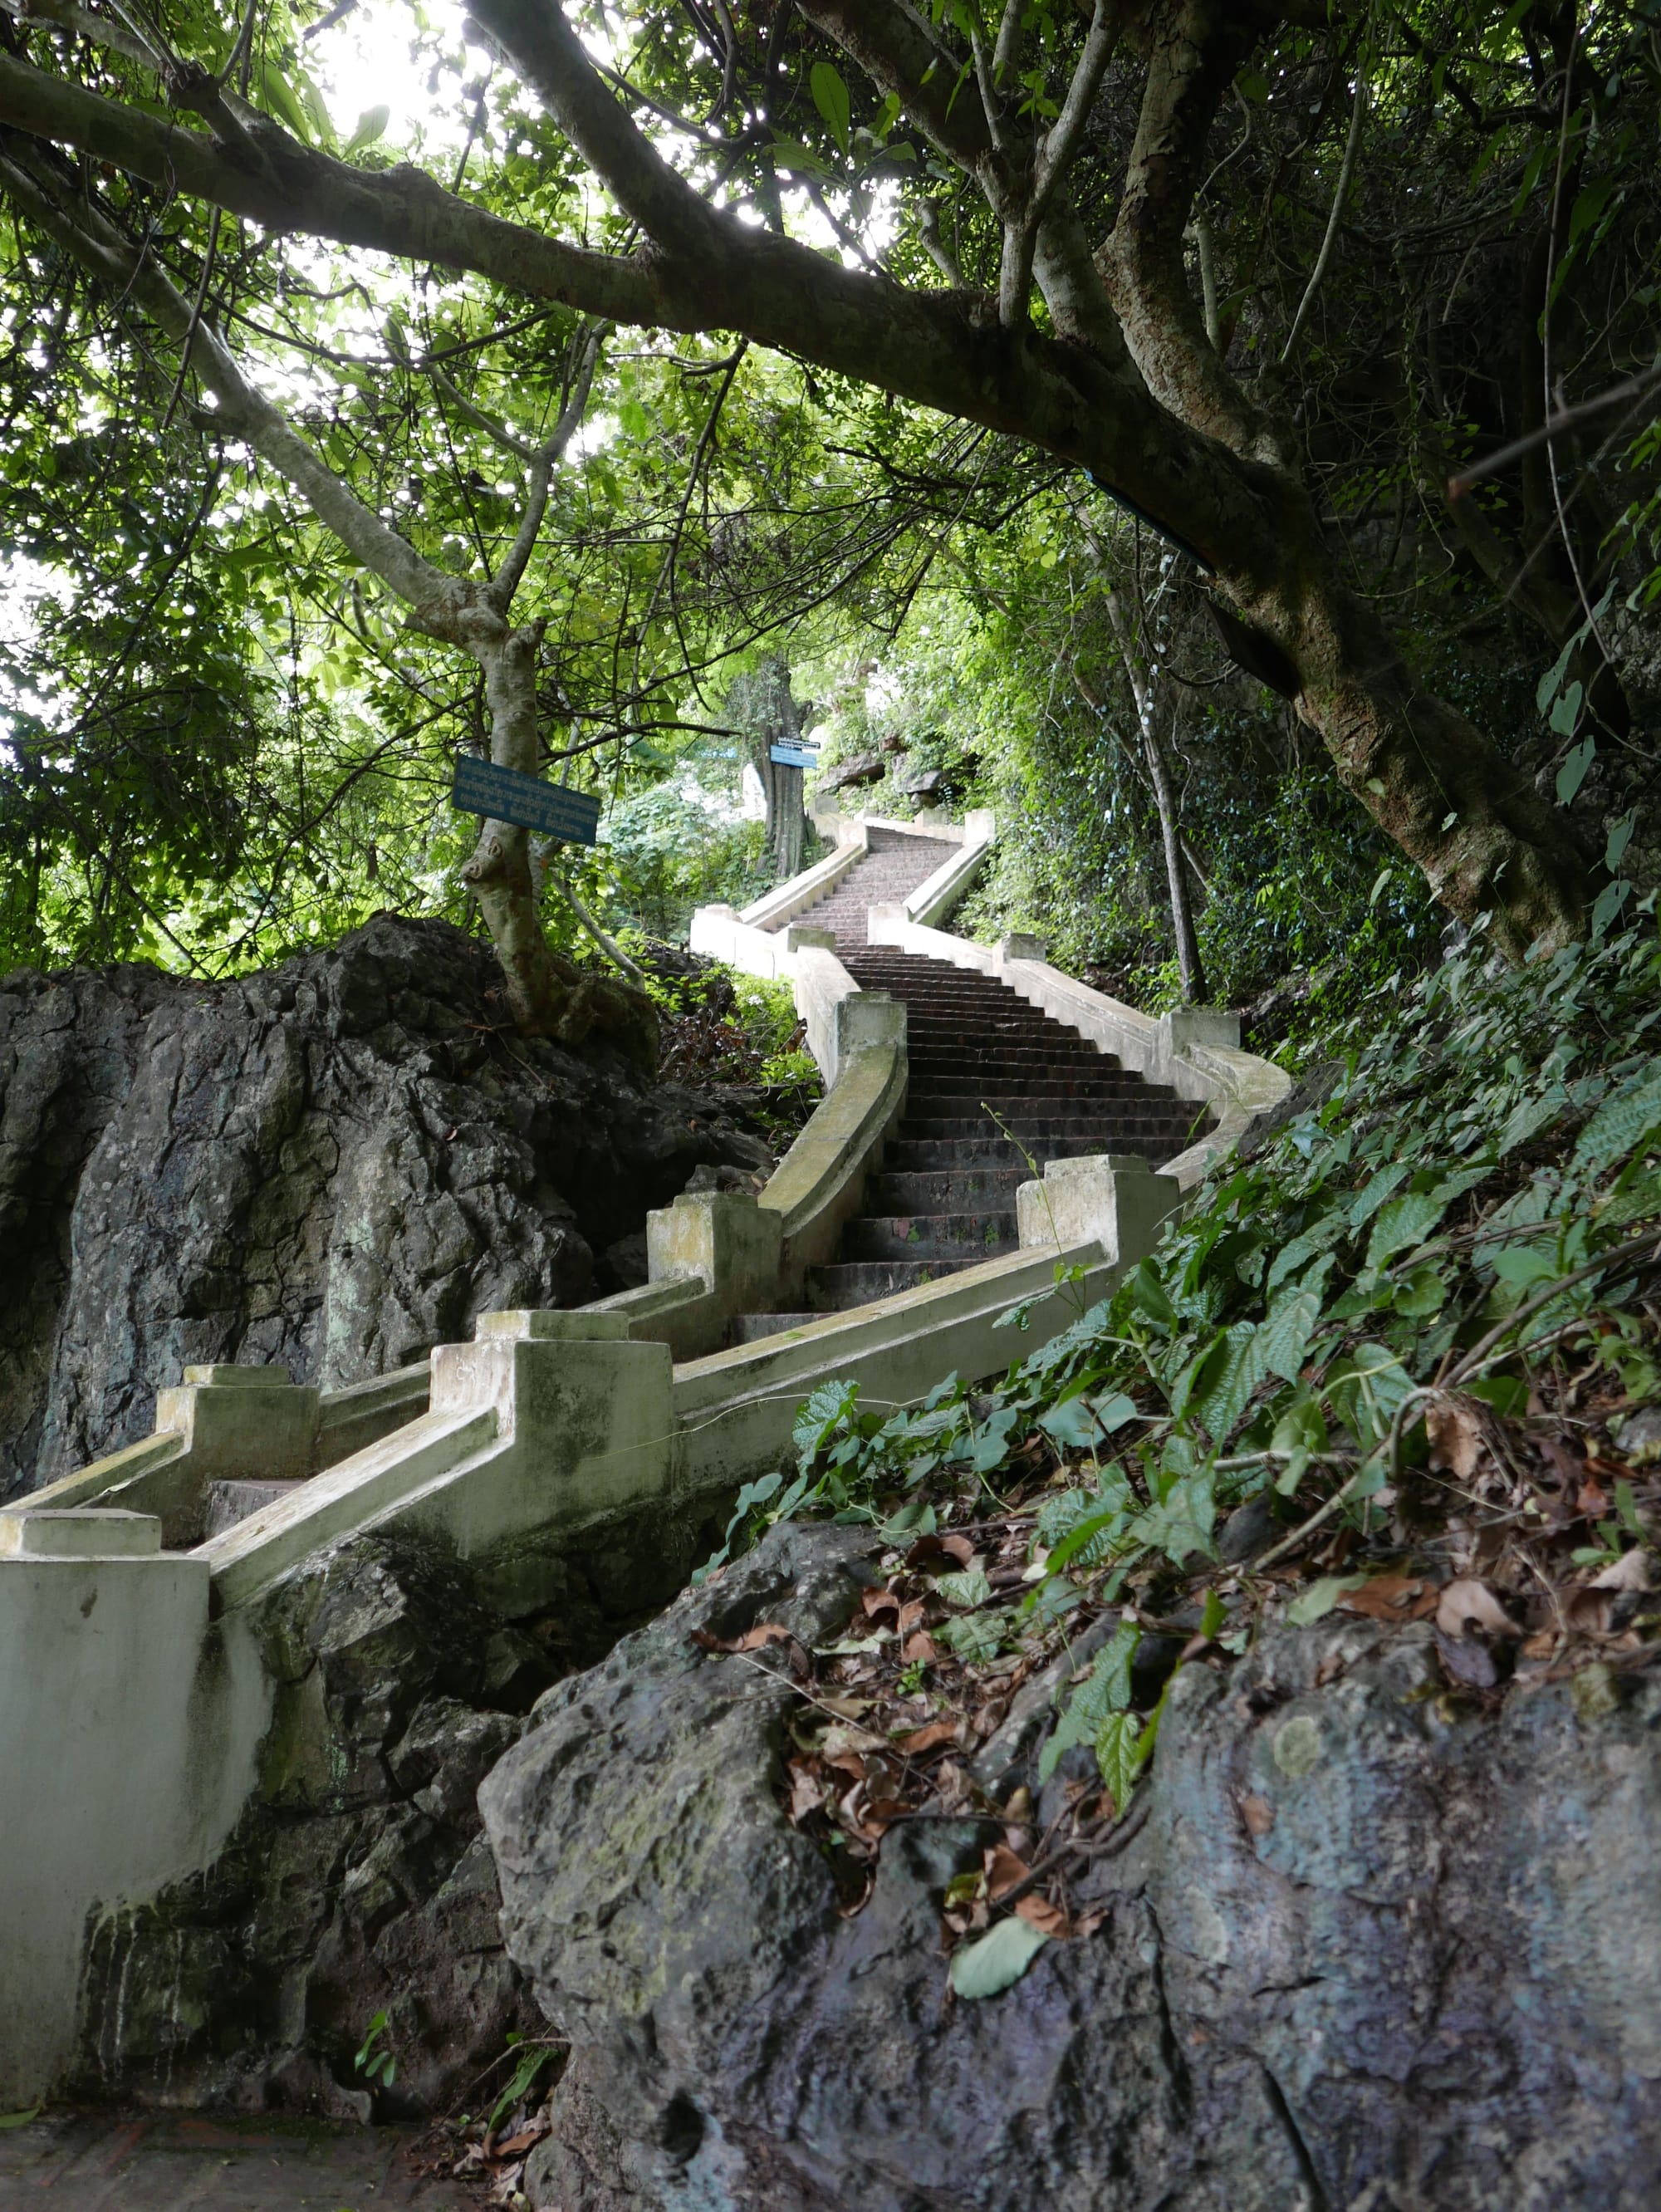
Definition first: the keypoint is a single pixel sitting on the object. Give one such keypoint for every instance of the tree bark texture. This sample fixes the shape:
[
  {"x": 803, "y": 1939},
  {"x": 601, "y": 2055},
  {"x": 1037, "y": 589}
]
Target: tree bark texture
[{"x": 1127, "y": 384}]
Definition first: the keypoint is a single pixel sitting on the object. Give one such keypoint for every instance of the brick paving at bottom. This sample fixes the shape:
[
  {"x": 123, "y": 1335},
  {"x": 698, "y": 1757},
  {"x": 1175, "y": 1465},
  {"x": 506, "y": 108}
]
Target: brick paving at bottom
[{"x": 103, "y": 2161}]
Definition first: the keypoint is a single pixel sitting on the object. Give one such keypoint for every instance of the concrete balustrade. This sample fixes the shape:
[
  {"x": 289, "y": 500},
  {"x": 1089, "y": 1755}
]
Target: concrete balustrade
[{"x": 133, "y": 1697}]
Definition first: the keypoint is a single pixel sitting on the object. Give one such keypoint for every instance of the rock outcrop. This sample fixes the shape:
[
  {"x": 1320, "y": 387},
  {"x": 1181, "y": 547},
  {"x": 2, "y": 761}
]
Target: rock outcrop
[
  {"x": 332, "y": 1165},
  {"x": 1374, "y": 1948},
  {"x": 358, "y": 1882}
]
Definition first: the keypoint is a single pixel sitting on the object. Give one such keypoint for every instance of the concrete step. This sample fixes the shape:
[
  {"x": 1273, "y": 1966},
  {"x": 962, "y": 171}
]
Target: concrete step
[
  {"x": 929, "y": 1236},
  {"x": 984, "y": 1149},
  {"x": 750, "y": 1328},
  {"x": 230, "y": 1500},
  {"x": 1043, "y": 1083},
  {"x": 842, "y": 1285},
  {"x": 1094, "y": 1133},
  {"x": 976, "y": 1189}
]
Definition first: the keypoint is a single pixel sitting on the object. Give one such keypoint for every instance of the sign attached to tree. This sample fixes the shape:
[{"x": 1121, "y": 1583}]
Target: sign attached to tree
[
  {"x": 793, "y": 756},
  {"x": 482, "y": 787}
]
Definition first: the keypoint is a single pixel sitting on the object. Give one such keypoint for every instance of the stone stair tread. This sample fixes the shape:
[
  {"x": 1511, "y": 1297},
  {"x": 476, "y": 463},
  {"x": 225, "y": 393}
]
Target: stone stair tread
[{"x": 231, "y": 1498}]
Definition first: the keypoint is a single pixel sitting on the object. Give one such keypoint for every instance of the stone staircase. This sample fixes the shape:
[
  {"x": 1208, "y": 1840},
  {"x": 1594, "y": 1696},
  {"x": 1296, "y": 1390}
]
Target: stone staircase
[
  {"x": 997, "y": 1091},
  {"x": 893, "y": 868}
]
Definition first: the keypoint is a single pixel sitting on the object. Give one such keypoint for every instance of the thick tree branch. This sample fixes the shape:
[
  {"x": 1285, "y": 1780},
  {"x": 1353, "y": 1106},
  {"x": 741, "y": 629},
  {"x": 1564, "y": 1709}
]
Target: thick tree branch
[
  {"x": 105, "y": 253},
  {"x": 1198, "y": 45},
  {"x": 548, "y": 56},
  {"x": 400, "y": 211}
]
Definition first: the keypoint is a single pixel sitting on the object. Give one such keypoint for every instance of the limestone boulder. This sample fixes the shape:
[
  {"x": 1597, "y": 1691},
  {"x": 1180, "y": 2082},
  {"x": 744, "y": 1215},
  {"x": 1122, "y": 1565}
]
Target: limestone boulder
[
  {"x": 330, "y": 1165},
  {"x": 1373, "y": 1948}
]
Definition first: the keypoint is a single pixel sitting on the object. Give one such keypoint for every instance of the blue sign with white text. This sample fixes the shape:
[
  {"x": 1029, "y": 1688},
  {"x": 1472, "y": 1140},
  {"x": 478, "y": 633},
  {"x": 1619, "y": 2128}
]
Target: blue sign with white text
[
  {"x": 483, "y": 787},
  {"x": 793, "y": 757}
]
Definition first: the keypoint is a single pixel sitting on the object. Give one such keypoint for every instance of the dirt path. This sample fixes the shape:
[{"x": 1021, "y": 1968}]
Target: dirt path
[{"x": 177, "y": 2162}]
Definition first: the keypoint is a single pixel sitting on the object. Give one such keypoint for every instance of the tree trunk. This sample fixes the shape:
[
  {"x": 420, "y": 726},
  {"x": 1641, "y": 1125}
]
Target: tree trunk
[
  {"x": 498, "y": 873},
  {"x": 1189, "y": 966},
  {"x": 1485, "y": 840}
]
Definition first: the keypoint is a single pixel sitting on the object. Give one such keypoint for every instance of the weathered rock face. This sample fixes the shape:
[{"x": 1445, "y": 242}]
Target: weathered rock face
[
  {"x": 1427, "y": 1974},
  {"x": 334, "y": 1165},
  {"x": 357, "y": 1881}
]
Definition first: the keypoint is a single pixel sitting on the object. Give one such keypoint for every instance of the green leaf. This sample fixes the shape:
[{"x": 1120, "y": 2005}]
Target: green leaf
[
  {"x": 20, "y": 2120},
  {"x": 1283, "y": 1343},
  {"x": 994, "y": 1961},
  {"x": 976, "y": 1636},
  {"x": 1213, "y": 1614},
  {"x": 969, "y": 1587},
  {"x": 1074, "y": 1425},
  {"x": 1573, "y": 773},
  {"x": 1608, "y": 904},
  {"x": 372, "y": 127},
  {"x": 1120, "y": 1756},
  {"x": 1404, "y": 1222},
  {"x": 1319, "y": 1599},
  {"x": 1232, "y": 1371},
  {"x": 1619, "y": 838},
  {"x": 830, "y": 97},
  {"x": 1623, "y": 1122},
  {"x": 1423, "y": 1293},
  {"x": 1564, "y": 713}
]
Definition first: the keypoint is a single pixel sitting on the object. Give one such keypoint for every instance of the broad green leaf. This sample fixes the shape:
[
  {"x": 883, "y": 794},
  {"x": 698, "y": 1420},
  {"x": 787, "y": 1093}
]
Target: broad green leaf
[
  {"x": 1608, "y": 903},
  {"x": 995, "y": 1960},
  {"x": 21, "y": 2119},
  {"x": 1232, "y": 1370},
  {"x": 830, "y": 97},
  {"x": 1402, "y": 1222},
  {"x": 1283, "y": 1341},
  {"x": 969, "y": 1587},
  {"x": 1319, "y": 1599},
  {"x": 1564, "y": 713},
  {"x": 976, "y": 1636},
  {"x": 1119, "y": 1755},
  {"x": 1368, "y": 1201},
  {"x": 1115, "y": 1411},
  {"x": 1423, "y": 1293},
  {"x": 1213, "y": 1614},
  {"x": 1620, "y": 837},
  {"x": 1622, "y": 1123},
  {"x": 1573, "y": 773},
  {"x": 1073, "y": 1425},
  {"x": 371, "y": 128}
]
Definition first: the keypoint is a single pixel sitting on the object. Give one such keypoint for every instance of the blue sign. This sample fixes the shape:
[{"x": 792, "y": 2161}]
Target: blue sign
[
  {"x": 482, "y": 787},
  {"x": 793, "y": 757}
]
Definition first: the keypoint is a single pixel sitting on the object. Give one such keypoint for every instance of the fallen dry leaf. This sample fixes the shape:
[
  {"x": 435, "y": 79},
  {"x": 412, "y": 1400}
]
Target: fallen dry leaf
[
  {"x": 1540, "y": 1646},
  {"x": 527, "y": 2139},
  {"x": 1391, "y": 1597},
  {"x": 807, "y": 1791},
  {"x": 930, "y": 1737},
  {"x": 753, "y": 1639},
  {"x": 1004, "y": 1872},
  {"x": 1456, "y": 1436},
  {"x": 879, "y": 1601},
  {"x": 1047, "y": 1917},
  {"x": 1592, "y": 1501},
  {"x": 843, "y": 1739},
  {"x": 1589, "y": 1611},
  {"x": 1258, "y": 1815},
  {"x": 846, "y": 1709},
  {"x": 1632, "y": 1571},
  {"x": 920, "y": 1647},
  {"x": 1466, "y": 1606}
]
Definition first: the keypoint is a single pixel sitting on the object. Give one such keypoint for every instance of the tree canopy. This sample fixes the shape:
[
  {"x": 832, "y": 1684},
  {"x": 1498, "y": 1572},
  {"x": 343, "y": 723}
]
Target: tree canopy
[{"x": 1206, "y": 356}]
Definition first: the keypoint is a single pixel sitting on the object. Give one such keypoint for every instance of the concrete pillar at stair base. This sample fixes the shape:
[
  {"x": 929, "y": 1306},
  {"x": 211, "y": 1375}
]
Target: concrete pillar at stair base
[
  {"x": 1017, "y": 946},
  {"x": 242, "y": 1421},
  {"x": 588, "y": 1413},
  {"x": 1112, "y": 1197},
  {"x": 727, "y": 1240}
]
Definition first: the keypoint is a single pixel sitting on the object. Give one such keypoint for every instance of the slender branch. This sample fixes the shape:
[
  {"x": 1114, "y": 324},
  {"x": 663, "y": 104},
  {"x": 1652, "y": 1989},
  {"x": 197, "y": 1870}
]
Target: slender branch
[
  {"x": 1352, "y": 148},
  {"x": 506, "y": 581},
  {"x": 1630, "y": 395}
]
